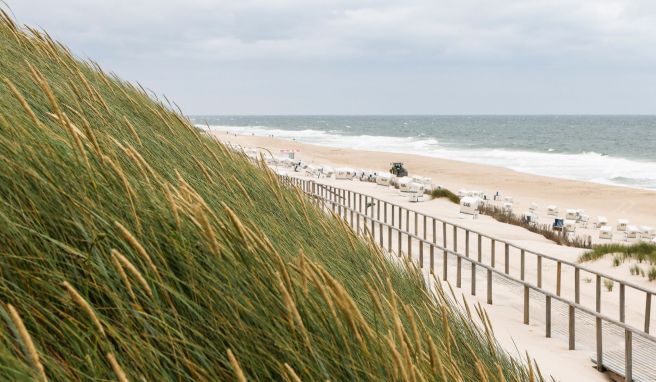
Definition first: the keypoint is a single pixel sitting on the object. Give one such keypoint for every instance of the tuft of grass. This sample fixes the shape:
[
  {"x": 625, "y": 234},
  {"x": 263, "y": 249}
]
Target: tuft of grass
[
  {"x": 617, "y": 260},
  {"x": 609, "y": 284},
  {"x": 444, "y": 193},
  {"x": 636, "y": 270},
  {"x": 133, "y": 247},
  {"x": 651, "y": 274}
]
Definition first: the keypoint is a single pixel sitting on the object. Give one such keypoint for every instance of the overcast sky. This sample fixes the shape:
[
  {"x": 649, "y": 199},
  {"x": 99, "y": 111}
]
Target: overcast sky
[{"x": 370, "y": 57}]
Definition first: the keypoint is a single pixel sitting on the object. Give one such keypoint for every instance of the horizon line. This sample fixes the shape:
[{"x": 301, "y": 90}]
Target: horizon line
[{"x": 424, "y": 115}]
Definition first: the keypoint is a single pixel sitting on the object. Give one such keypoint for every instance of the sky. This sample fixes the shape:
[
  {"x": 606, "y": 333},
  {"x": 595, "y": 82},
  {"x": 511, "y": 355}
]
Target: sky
[{"x": 369, "y": 57}]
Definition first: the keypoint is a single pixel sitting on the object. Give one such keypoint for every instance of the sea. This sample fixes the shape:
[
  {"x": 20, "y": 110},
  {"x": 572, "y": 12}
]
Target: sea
[{"x": 617, "y": 150}]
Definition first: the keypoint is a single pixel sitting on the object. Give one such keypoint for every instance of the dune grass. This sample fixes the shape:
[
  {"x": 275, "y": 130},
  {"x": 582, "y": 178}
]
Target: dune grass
[
  {"x": 444, "y": 193},
  {"x": 641, "y": 252},
  {"x": 546, "y": 230},
  {"x": 133, "y": 247}
]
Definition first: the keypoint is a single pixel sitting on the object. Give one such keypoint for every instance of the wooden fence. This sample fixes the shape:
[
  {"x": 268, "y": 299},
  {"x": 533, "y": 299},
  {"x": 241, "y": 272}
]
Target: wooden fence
[{"x": 353, "y": 207}]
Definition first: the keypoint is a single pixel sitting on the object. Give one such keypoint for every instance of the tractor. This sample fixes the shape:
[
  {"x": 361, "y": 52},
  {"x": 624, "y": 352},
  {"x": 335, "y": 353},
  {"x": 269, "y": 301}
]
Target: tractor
[{"x": 398, "y": 169}]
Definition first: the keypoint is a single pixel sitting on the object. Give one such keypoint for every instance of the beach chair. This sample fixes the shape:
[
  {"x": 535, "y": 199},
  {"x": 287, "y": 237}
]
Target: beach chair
[
  {"x": 631, "y": 232},
  {"x": 552, "y": 210},
  {"x": 601, "y": 221},
  {"x": 558, "y": 224},
  {"x": 606, "y": 232},
  {"x": 622, "y": 224},
  {"x": 570, "y": 225}
]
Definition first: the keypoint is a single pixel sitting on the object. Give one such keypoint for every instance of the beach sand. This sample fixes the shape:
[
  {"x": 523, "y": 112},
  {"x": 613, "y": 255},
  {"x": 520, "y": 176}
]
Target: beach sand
[
  {"x": 639, "y": 206},
  {"x": 614, "y": 202}
]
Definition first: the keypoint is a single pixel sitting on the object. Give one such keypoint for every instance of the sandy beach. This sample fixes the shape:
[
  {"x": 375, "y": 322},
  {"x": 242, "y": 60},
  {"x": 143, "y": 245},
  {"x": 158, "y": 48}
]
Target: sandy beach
[{"x": 614, "y": 202}]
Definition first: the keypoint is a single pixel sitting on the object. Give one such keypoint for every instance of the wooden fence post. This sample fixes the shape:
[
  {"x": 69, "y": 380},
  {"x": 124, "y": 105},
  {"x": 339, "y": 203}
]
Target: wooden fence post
[
  {"x": 473, "y": 279},
  {"x": 572, "y": 328},
  {"x": 424, "y": 227},
  {"x": 389, "y": 238},
  {"x": 539, "y": 271},
  {"x": 458, "y": 271},
  {"x": 416, "y": 222},
  {"x": 598, "y": 293},
  {"x": 577, "y": 285},
  {"x": 445, "y": 261},
  {"x": 628, "y": 355},
  {"x": 480, "y": 248},
  {"x": 647, "y": 312},
  {"x": 407, "y": 220},
  {"x": 622, "y": 302},
  {"x": 559, "y": 267},
  {"x": 434, "y": 231},
  {"x": 421, "y": 254},
  {"x": 357, "y": 220},
  {"x": 378, "y": 210},
  {"x": 526, "y": 305},
  {"x": 507, "y": 259},
  {"x": 547, "y": 309},
  {"x": 373, "y": 229},
  {"x": 432, "y": 259},
  {"x": 599, "y": 336},
  {"x": 489, "y": 287},
  {"x": 493, "y": 255}
]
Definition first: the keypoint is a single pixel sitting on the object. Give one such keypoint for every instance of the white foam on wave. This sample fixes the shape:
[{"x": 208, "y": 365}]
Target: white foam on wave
[{"x": 590, "y": 166}]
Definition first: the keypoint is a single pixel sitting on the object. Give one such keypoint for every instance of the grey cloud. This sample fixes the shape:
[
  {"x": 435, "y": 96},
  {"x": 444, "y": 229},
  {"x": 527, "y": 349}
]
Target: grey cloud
[{"x": 301, "y": 56}]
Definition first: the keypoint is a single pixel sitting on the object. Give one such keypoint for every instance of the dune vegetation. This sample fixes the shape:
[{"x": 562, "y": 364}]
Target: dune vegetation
[
  {"x": 639, "y": 252},
  {"x": 444, "y": 193},
  {"x": 133, "y": 247},
  {"x": 559, "y": 237}
]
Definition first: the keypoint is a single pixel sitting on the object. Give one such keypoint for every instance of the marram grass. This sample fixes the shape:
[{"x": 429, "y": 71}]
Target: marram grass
[{"x": 132, "y": 247}]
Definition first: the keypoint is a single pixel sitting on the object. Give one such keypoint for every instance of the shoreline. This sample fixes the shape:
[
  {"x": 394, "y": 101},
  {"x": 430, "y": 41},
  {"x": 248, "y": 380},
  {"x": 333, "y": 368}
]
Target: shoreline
[
  {"x": 613, "y": 201},
  {"x": 593, "y": 164}
]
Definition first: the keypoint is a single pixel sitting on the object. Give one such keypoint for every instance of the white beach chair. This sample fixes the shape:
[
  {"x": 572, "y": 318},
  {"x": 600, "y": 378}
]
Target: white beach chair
[
  {"x": 570, "y": 214},
  {"x": 601, "y": 221},
  {"x": 647, "y": 232},
  {"x": 570, "y": 225},
  {"x": 415, "y": 197},
  {"x": 404, "y": 184},
  {"x": 552, "y": 210},
  {"x": 383, "y": 179},
  {"x": 631, "y": 232},
  {"x": 622, "y": 224},
  {"x": 606, "y": 232},
  {"x": 469, "y": 205}
]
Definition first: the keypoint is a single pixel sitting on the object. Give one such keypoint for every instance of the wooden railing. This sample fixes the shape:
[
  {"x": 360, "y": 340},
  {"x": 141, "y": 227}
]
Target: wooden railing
[{"x": 355, "y": 206}]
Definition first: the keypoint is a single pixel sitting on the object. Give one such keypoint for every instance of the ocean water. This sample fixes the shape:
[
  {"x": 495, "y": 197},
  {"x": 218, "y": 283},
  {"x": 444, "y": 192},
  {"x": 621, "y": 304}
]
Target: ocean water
[{"x": 618, "y": 150}]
